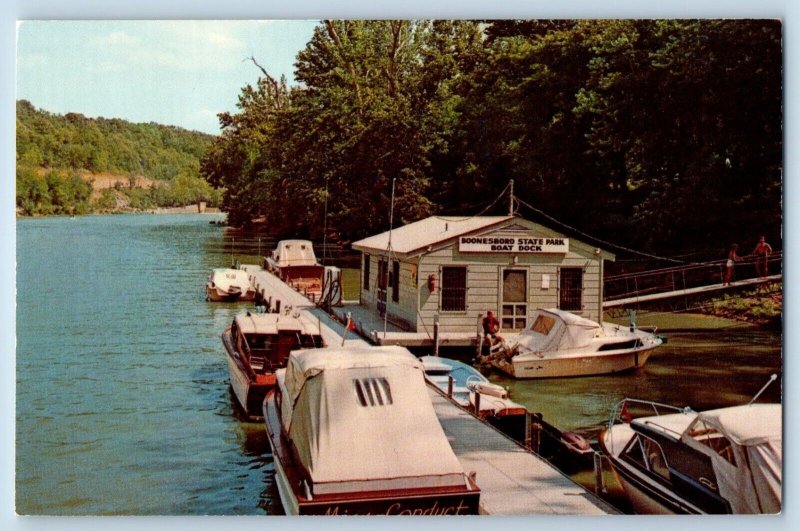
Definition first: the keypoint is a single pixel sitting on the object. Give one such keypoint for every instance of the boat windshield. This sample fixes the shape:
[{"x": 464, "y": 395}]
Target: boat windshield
[{"x": 543, "y": 324}]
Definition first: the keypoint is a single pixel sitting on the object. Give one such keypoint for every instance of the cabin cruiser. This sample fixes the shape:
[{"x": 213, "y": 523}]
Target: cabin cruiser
[
  {"x": 294, "y": 262},
  {"x": 229, "y": 285},
  {"x": 721, "y": 461},
  {"x": 257, "y": 344},
  {"x": 560, "y": 343},
  {"x": 353, "y": 431}
]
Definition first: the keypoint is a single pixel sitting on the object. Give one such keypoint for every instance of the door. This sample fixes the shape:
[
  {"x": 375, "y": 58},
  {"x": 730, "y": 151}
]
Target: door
[{"x": 514, "y": 311}]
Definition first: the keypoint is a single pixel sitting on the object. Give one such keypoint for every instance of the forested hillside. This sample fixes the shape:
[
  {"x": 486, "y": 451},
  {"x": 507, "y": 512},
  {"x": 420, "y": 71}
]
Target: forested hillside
[
  {"x": 663, "y": 135},
  {"x": 58, "y": 158}
]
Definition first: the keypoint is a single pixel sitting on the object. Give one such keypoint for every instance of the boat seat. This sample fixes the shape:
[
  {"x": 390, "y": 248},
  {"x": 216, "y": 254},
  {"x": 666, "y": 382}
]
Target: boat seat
[{"x": 257, "y": 363}]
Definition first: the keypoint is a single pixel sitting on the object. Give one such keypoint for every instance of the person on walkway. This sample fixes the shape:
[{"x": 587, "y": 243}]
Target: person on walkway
[
  {"x": 490, "y": 327},
  {"x": 762, "y": 252},
  {"x": 733, "y": 257}
]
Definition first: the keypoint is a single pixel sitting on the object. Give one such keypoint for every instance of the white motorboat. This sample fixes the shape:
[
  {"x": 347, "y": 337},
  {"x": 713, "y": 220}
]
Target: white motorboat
[
  {"x": 559, "y": 344},
  {"x": 353, "y": 431},
  {"x": 721, "y": 461},
  {"x": 229, "y": 285},
  {"x": 257, "y": 344}
]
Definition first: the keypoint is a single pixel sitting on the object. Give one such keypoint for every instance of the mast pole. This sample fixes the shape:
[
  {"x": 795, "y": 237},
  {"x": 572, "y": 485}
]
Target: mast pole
[{"x": 388, "y": 255}]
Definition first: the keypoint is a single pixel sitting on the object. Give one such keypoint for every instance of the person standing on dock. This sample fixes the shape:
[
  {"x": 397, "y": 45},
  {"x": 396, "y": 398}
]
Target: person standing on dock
[
  {"x": 733, "y": 257},
  {"x": 762, "y": 252}
]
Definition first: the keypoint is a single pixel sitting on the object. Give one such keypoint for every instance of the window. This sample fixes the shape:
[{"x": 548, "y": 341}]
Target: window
[
  {"x": 515, "y": 290},
  {"x": 383, "y": 274},
  {"x": 712, "y": 438},
  {"x": 454, "y": 289},
  {"x": 396, "y": 281},
  {"x": 372, "y": 392},
  {"x": 648, "y": 455},
  {"x": 571, "y": 289},
  {"x": 366, "y": 271},
  {"x": 543, "y": 324}
]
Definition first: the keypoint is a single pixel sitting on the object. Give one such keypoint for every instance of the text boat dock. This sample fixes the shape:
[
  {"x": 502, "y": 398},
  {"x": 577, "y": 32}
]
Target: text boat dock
[{"x": 513, "y": 481}]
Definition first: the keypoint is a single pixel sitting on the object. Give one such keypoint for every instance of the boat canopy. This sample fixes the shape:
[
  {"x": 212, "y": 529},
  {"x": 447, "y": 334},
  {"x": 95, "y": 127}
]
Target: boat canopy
[
  {"x": 555, "y": 329},
  {"x": 745, "y": 446},
  {"x": 273, "y": 323},
  {"x": 224, "y": 279},
  {"x": 294, "y": 253},
  {"x": 362, "y": 419}
]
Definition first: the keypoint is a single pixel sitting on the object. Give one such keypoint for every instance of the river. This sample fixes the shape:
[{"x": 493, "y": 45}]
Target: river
[{"x": 123, "y": 405}]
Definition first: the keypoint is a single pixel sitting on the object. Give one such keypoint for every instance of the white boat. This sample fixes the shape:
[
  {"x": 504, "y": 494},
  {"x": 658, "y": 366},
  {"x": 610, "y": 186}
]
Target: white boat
[
  {"x": 353, "y": 431},
  {"x": 229, "y": 285},
  {"x": 463, "y": 383},
  {"x": 721, "y": 461},
  {"x": 559, "y": 343},
  {"x": 294, "y": 262},
  {"x": 257, "y": 344}
]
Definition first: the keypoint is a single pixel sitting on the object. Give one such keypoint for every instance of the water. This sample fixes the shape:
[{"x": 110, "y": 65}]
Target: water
[{"x": 123, "y": 405}]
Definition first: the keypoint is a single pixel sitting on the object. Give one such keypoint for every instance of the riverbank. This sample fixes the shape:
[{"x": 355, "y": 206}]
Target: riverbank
[{"x": 762, "y": 306}]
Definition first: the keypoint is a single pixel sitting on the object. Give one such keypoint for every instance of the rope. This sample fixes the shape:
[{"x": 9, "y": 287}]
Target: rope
[
  {"x": 482, "y": 212},
  {"x": 604, "y": 242}
]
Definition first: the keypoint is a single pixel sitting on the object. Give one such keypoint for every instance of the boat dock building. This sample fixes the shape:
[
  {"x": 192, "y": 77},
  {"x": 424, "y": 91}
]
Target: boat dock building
[{"x": 433, "y": 281}]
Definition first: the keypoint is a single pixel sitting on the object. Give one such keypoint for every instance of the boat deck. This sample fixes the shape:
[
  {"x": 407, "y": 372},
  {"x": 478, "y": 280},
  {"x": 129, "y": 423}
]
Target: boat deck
[{"x": 513, "y": 481}]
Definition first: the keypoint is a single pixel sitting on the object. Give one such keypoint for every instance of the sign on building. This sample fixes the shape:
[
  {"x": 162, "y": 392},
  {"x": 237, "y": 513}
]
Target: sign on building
[{"x": 512, "y": 244}]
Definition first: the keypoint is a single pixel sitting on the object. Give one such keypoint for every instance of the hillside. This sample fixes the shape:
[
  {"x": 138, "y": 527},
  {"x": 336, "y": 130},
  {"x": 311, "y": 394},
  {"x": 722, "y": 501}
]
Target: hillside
[{"x": 72, "y": 164}]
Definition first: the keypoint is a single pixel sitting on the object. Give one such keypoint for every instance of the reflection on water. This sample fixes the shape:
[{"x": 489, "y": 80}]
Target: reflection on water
[{"x": 123, "y": 403}]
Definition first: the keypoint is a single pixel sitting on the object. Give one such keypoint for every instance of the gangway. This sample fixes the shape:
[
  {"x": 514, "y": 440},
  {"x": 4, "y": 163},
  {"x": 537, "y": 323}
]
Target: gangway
[{"x": 635, "y": 288}]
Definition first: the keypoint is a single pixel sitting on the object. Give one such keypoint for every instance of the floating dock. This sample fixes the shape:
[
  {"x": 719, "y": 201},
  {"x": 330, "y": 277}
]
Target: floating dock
[{"x": 513, "y": 481}]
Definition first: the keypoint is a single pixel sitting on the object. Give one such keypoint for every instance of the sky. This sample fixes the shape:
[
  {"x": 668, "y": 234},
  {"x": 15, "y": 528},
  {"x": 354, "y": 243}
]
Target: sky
[{"x": 175, "y": 72}]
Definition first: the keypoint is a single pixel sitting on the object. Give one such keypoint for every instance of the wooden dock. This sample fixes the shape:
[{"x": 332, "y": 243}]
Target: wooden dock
[
  {"x": 513, "y": 481},
  {"x": 371, "y": 326}
]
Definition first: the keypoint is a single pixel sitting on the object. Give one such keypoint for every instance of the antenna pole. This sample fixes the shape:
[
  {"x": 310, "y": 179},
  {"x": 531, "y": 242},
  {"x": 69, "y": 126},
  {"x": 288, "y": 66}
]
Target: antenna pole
[
  {"x": 511, "y": 199},
  {"x": 771, "y": 379},
  {"x": 388, "y": 254},
  {"x": 325, "y": 226}
]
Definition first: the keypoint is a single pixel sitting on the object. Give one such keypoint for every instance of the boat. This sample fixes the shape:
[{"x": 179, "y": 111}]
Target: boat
[
  {"x": 294, "y": 262},
  {"x": 257, "y": 344},
  {"x": 463, "y": 383},
  {"x": 678, "y": 461},
  {"x": 559, "y": 344},
  {"x": 353, "y": 431},
  {"x": 229, "y": 285}
]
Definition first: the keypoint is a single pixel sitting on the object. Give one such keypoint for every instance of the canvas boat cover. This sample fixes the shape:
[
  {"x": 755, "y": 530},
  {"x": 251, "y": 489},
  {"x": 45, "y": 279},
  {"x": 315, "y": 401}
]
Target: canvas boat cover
[
  {"x": 294, "y": 253},
  {"x": 225, "y": 278},
  {"x": 362, "y": 419},
  {"x": 272, "y": 323},
  {"x": 554, "y": 329},
  {"x": 749, "y": 474}
]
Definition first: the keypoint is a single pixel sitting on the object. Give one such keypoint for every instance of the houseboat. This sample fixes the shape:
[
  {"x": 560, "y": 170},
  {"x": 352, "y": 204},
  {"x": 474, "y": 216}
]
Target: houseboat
[
  {"x": 721, "y": 461},
  {"x": 229, "y": 285},
  {"x": 559, "y": 344},
  {"x": 432, "y": 281},
  {"x": 294, "y": 262},
  {"x": 353, "y": 431},
  {"x": 257, "y": 344}
]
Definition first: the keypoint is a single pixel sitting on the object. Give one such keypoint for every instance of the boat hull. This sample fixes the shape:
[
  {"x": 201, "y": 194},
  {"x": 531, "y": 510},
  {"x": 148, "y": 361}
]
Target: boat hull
[
  {"x": 587, "y": 364},
  {"x": 644, "y": 494},
  {"x": 412, "y": 502},
  {"x": 249, "y": 392},
  {"x": 214, "y": 294}
]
